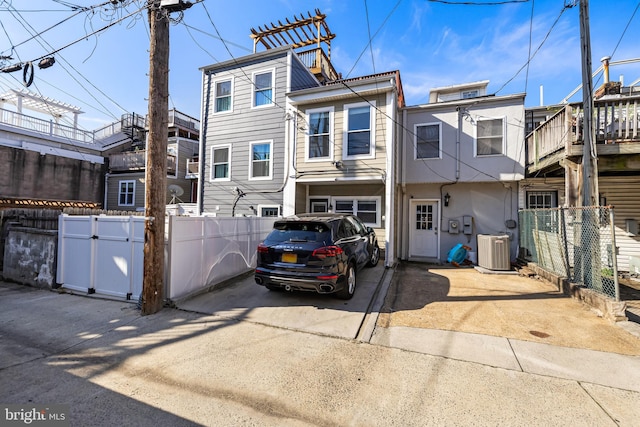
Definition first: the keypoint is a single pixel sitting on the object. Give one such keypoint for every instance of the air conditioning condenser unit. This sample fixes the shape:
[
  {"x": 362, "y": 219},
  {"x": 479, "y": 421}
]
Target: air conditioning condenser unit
[{"x": 493, "y": 252}]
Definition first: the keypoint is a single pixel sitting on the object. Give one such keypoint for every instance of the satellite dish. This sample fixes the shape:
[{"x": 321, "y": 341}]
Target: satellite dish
[{"x": 176, "y": 191}]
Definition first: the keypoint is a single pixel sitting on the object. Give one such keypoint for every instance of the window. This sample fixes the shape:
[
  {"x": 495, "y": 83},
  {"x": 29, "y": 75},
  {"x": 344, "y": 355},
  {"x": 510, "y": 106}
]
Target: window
[
  {"x": 220, "y": 163},
  {"x": 542, "y": 199},
  {"x": 365, "y": 208},
  {"x": 490, "y": 137},
  {"x": 263, "y": 89},
  {"x": 126, "y": 193},
  {"x": 319, "y": 205},
  {"x": 261, "y": 164},
  {"x": 264, "y": 210},
  {"x": 469, "y": 94},
  {"x": 427, "y": 144},
  {"x": 320, "y": 134},
  {"x": 223, "y": 96},
  {"x": 359, "y": 136}
]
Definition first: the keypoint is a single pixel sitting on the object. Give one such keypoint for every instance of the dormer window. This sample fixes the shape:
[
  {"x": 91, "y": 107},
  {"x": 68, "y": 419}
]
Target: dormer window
[{"x": 469, "y": 94}]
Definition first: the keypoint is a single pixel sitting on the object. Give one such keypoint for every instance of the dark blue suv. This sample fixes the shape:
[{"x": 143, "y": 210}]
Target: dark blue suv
[{"x": 316, "y": 252}]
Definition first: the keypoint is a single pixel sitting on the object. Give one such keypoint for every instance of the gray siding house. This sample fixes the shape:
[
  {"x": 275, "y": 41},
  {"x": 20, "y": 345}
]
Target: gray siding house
[
  {"x": 343, "y": 142},
  {"x": 462, "y": 158},
  {"x": 245, "y": 161}
]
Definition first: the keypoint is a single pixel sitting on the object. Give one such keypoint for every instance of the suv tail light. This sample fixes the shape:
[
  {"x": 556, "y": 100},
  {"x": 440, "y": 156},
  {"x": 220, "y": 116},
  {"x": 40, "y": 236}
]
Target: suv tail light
[
  {"x": 263, "y": 249},
  {"x": 327, "y": 251}
]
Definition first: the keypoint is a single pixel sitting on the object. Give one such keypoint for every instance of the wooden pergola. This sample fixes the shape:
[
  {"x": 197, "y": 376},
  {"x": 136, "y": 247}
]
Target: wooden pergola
[{"x": 312, "y": 30}]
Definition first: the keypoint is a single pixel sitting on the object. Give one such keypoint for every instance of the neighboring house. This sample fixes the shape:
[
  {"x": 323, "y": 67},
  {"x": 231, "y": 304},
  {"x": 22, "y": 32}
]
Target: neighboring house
[
  {"x": 461, "y": 160},
  {"x": 344, "y": 148},
  {"x": 246, "y": 161},
  {"x": 45, "y": 157},
  {"x": 125, "y": 189},
  {"x": 554, "y": 162}
]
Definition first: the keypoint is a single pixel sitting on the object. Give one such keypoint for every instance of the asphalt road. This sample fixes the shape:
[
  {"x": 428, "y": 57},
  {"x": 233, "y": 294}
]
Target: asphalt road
[{"x": 255, "y": 364}]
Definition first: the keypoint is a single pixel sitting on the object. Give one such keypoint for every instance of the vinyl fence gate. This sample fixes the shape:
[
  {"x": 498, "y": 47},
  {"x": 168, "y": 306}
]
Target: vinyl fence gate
[{"x": 101, "y": 254}]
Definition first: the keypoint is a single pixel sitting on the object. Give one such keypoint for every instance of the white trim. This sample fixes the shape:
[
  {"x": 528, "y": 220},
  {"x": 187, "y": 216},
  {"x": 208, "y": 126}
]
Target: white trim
[
  {"x": 376, "y": 199},
  {"x": 504, "y": 137},
  {"x": 308, "y": 113},
  {"x": 261, "y": 178},
  {"x": 309, "y": 206},
  {"x": 278, "y": 207},
  {"x": 372, "y": 130},
  {"x": 272, "y": 71},
  {"x": 215, "y": 94},
  {"x": 133, "y": 194},
  {"x": 411, "y": 222},
  {"x": 213, "y": 164},
  {"x": 415, "y": 140}
]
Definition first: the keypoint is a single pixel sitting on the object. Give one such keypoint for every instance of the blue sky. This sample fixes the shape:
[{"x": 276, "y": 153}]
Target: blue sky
[{"x": 432, "y": 43}]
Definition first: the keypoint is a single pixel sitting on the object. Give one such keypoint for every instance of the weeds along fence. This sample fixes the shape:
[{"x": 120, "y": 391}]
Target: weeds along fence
[{"x": 576, "y": 242}]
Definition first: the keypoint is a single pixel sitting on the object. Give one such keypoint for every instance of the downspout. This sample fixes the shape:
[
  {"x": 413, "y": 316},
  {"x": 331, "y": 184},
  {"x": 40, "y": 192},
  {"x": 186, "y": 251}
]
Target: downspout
[
  {"x": 458, "y": 132},
  {"x": 390, "y": 178},
  {"x": 106, "y": 190},
  {"x": 403, "y": 184},
  {"x": 201, "y": 140}
]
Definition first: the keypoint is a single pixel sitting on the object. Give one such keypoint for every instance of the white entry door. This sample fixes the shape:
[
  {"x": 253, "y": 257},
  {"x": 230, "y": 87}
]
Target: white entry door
[{"x": 423, "y": 229}]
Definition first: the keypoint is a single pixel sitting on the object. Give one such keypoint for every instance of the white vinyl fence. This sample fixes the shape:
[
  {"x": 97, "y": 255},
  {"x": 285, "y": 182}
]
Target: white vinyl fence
[
  {"x": 104, "y": 254},
  {"x": 101, "y": 254}
]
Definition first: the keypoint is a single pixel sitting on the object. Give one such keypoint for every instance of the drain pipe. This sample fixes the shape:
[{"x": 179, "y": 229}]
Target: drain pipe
[{"x": 458, "y": 132}]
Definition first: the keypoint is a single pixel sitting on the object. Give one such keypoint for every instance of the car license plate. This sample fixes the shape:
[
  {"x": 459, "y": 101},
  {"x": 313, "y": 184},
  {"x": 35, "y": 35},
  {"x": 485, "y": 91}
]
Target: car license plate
[{"x": 289, "y": 258}]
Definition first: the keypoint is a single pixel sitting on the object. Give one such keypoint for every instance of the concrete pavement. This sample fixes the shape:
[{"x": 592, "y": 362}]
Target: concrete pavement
[{"x": 115, "y": 367}]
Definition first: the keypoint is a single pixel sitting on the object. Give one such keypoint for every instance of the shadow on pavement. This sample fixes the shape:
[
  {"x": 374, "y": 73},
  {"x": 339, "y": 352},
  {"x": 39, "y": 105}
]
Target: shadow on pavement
[{"x": 510, "y": 306}]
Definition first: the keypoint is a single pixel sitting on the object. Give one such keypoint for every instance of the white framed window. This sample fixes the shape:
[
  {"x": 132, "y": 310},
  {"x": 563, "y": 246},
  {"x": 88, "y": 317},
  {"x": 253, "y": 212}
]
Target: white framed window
[
  {"x": 368, "y": 209},
  {"x": 359, "y": 131},
  {"x": 319, "y": 137},
  {"x": 220, "y": 163},
  {"x": 490, "y": 140},
  {"x": 542, "y": 199},
  {"x": 126, "y": 193},
  {"x": 223, "y": 94},
  {"x": 319, "y": 204},
  {"x": 469, "y": 94},
  {"x": 428, "y": 141},
  {"x": 261, "y": 165},
  {"x": 263, "y": 88},
  {"x": 269, "y": 210}
]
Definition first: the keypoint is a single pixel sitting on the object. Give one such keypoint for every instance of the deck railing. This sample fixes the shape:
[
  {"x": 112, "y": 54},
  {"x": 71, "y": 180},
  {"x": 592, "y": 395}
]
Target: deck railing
[
  {"x": 616, "y": 121},
  {"x": 136, "y": 161},
  {"x": 318, "y": 62},
  {"x": 45, "y": 127}
]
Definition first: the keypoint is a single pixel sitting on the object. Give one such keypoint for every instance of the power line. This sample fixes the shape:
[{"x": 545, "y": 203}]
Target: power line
[{"x": 526, "y": 64}]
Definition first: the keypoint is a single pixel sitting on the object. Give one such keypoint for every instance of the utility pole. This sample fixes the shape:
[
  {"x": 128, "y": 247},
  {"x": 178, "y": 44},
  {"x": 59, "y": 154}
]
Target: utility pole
[
  {"x": 589, "y": 164},
  {"x": 589, "y": 236},
  {"x": 156, "y": 164}
]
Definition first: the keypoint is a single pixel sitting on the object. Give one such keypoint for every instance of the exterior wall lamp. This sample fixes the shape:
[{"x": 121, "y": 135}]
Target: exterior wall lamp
[{"x": 447, "y": 198}]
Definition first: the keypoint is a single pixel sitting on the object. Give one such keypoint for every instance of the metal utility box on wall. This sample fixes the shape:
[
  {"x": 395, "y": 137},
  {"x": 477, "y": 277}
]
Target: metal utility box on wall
[
  {"x": 493, "y": 252},
  {"x": 467, "y": 224},
  {"x": 454, "y": 226}
]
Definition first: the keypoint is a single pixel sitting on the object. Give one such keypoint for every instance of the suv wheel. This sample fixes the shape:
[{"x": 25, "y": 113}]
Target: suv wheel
[
  {"x": 375, "y": 256},
  {"x": 349, "y": 284}
]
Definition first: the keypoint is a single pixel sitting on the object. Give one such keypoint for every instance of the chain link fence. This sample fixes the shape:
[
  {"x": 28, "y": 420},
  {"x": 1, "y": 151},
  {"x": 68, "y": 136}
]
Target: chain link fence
[{"x": 576, "y": 242}]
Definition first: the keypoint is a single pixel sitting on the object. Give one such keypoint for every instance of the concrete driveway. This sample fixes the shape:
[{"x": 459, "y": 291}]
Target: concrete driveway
[{"x": 243, "y": 299}]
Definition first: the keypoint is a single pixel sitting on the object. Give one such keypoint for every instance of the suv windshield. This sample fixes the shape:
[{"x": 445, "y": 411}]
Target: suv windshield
[{"x": 298, "y": 232}]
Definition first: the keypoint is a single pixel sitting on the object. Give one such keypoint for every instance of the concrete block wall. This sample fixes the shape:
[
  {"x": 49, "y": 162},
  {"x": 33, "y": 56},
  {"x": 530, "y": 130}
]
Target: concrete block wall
[{"x": 30, "y": 257}]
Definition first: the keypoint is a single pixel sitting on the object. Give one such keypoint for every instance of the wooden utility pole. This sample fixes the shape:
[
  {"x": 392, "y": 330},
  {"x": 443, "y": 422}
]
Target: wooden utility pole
[
  {"x": 156, "y": 165},
  {"x": 589, "y": 162}
]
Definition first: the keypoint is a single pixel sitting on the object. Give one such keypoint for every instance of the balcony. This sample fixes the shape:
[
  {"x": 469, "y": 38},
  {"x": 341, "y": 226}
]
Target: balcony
[
  {"x": 45, "y": 127},
  {"x": 617, "y": 132},
  {"x": 318, "y": 63},
  {"x": 135, "y": 161}
]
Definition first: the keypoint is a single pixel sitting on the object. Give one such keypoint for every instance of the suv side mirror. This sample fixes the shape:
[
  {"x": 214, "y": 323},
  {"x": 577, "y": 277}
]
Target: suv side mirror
[{"x": 370, "y": 230}]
